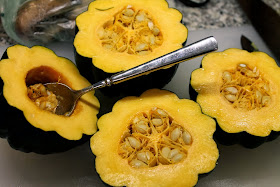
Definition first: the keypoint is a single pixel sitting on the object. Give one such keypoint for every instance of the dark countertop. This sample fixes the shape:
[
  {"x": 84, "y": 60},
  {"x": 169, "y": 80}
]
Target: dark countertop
[
  {"x": 275, "y": 4},
  {"x": 215, "y": 14}
]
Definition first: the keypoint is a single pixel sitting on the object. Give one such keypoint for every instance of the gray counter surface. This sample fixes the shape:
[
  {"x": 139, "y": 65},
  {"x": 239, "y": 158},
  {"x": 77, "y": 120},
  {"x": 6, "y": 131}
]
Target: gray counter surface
[{"x": 237, "y": 166}]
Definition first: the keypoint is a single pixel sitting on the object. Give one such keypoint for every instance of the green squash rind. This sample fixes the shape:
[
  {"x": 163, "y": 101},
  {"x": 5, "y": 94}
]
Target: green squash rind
[
  {"x": 136, "y": 86},
  {"x": 93, "y": 60},
  {"x": 115, "y": 171},
  {"x": 23, "y": 136},
  {"x": 243, "y": 138}
]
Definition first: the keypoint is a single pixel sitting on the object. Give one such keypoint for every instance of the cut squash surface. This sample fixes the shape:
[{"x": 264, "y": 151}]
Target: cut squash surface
[
  {"x": 119, "y": 35},
  {"x": 156, "y": 139},
  {"x": 26, "y": 104},
  {"x": 240, "y": 90}
]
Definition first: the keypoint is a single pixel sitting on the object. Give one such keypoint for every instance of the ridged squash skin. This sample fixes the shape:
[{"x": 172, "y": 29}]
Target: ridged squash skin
[
  {"x": 97, "y": 63},
  {"x": 28, "y": 128},
  {"x": 116, "y": 171},
  {"x": 249, "y": 128}
]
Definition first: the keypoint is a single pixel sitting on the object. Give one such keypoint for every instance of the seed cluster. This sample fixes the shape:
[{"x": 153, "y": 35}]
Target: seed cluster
[
  {"x": 42, "y": 97},
  {"x": 153, "y": 139},
  {"x": 246, "y": 88},
  {"x": 130, "y": 31}
]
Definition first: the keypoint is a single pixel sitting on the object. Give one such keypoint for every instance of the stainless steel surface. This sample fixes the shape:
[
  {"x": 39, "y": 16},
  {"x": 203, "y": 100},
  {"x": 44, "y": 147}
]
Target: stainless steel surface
[
  {"x": 193, "y": 50},
  {"x": 68, "y": 98}
]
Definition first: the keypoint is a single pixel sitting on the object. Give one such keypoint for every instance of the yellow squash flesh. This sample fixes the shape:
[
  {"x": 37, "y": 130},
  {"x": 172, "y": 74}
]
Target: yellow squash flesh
[
  {"x": 88, "y": 43},
  {"x": 116, "y": 171},
  {"x": 16, "y": 73},
  {"x": 207, "y": 82}
]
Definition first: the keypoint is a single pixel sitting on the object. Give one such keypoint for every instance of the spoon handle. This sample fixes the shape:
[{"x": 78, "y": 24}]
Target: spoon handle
[{"x": 198, "y": 48}]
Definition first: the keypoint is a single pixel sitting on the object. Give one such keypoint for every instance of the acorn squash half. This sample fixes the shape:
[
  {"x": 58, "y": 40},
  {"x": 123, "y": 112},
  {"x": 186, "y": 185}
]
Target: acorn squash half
[
  {"x": 241, "y": 91},
  {"x": 156, "y": 139},
  {"x": 31, "y": 127},
  {"x": 114, "y": 36}
]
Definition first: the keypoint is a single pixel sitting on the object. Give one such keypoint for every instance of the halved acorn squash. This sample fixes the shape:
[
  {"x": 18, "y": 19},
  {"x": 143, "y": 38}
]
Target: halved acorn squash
[
  {"x": 156, "y": 139},
  {"x": 27, "y": 122},
  {"x": 241, "y": 91},
  {"x": 114, "y": 36}
]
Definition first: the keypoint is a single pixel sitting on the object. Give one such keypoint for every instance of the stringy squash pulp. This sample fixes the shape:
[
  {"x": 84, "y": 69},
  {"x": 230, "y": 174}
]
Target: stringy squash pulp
[
  {"x": 119, "y": 35},
  {"x": 156, "y": 139},
  {"x": 27, "y": 67},
  {"x": 241, "y": 90}
]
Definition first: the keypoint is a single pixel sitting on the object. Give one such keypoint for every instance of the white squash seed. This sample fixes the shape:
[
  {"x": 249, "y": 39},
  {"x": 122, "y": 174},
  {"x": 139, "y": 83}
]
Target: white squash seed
[
  {"x": 135, "y": 28},
  {"x": 245, "y": 88},
  {"x": 154, "y": 138}
]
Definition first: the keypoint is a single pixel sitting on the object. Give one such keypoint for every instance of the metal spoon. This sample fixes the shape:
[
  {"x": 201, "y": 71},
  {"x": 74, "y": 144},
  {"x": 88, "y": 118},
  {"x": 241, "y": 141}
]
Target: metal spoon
[{"x": 67, "y": 98}]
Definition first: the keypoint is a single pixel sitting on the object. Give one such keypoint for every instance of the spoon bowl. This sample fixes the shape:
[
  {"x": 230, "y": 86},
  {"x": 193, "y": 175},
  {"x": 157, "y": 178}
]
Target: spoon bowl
[{"x": 67, "y": 98}]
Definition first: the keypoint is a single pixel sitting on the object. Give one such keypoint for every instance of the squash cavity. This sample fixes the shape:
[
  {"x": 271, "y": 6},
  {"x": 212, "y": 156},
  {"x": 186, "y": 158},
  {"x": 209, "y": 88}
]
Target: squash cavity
[
  {"x": 132, "y": 31},
  {"x": 114, "y": 36},
  {"x": 153, "y": 139},
  {"x": 28, "y": 108},
  {"x": 154, "y": 136},
  {"x": 240, "y": 90}
]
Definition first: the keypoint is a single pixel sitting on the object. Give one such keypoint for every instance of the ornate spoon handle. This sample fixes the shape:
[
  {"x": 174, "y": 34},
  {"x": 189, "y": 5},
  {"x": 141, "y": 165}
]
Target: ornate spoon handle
[{"x": 193, "y": 50}]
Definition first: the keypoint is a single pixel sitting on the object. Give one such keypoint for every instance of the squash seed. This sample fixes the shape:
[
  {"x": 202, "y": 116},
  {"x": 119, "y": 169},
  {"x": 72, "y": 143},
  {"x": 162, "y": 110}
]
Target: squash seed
[
  {"x": 141, "y": 47},
  {"x": 156, "y": 31},
  {"x": 122, "y": 48},
  {"x": 265, "y": 100},
  {"x": 162, "y": 113},
  {"x": 142, "y": 127},
  {"x": 157, "y": 121},
  {"x": 150, "y": 25},
  {"x": 145, "y": 156},
  {"x": 172, "y": 153},
  {"x": 227, "y": 76},
  {"x": 231, "y": 90},
  {"x": 165, "y": 152},
  {"x": 177, "y": 158},
  {"x": 258, "y": 96},
  {"x": 128, "y": 12},
  {"x": 140, "y": 17},
  {"x": 138, "y": 164},
  {"x": 175, "y": 134},
  {"x": 134, "y": 142},
  {"x": 154, "y": 138},
  {"x": 186, "y": 137},
  {"x": 135, "y": 27},
  {"x": 266, "y": 88},
  {"x": 43, "y": 98},
  {"x": 230, "y": 97},
  {"x": 246, "y": 88}
]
